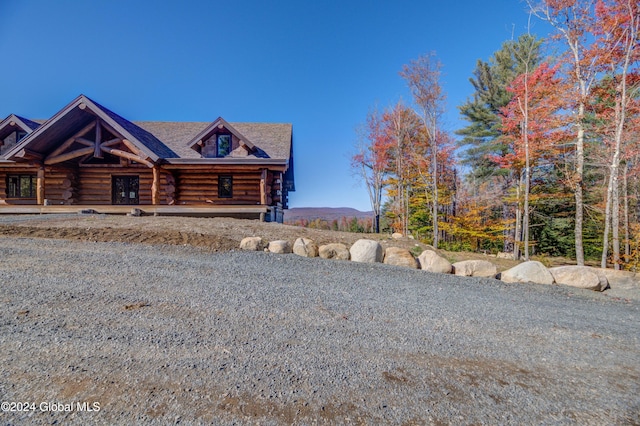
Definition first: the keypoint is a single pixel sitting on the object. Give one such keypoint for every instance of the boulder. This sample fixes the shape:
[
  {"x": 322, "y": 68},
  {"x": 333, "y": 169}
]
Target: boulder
[
  {"x": 334, "y": 251},
  {"x": 432, "y": 262},
  {"x": 475, "y": 268},
  {"x": 396, "y": 235},
  {"x": 532, "y": 271},
  {"x": 399, "y": 257},
  {"x": 305, "y": 247},
  {"x": 621, "y": 280},
  {"x": 252, "y": 244},
  {"x": 581, "y": 277},
  {"x": 367, "y": 251},
  {"x": 503, "y": 255},
  {"x": 280, "y": 247}
]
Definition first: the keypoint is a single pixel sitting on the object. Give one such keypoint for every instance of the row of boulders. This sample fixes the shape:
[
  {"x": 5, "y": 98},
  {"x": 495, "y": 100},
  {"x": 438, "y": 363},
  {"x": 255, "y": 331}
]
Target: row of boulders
[{"x": 369, "y": 251}]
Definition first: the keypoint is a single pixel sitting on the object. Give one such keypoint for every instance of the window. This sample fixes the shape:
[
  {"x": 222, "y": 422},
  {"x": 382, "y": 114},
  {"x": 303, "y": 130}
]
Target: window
[
  {"x": 223, "y": 145},
  {"x": 125, "y": 190},
  {"x": 225, "y": 187},
  {"x": 21, "y": 186},
  {"x": 20, "y": 135}
]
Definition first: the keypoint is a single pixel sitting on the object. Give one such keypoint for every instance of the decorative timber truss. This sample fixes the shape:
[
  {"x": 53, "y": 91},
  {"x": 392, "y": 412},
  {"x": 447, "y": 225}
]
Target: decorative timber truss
[{"x": 83, "y": 145}]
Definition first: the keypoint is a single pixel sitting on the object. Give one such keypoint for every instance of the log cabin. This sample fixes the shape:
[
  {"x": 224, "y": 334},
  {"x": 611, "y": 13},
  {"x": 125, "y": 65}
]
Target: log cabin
[{"x": 88, "y": 158}]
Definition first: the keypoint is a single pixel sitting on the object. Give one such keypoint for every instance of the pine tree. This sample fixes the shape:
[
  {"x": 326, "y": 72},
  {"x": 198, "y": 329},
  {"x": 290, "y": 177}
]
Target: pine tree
[{"x": 483, "y": 111}]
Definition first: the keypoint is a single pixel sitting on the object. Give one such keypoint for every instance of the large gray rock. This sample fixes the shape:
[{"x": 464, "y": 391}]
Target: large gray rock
[
  {"x": 532, "y": 271},
  {"x": 334, "y": 251},
  {"x": 280, "y": 247},
  {"x": 621, "y": 280},
  {"x": 252, "y": 244},
  {"x": 432, "y": 262},
  {"x": 503, "y": 255},
  {"x": 581, "y": 277},
  {"x": 475, "y": 268},
  {"x": 367, "y": 251},
  {"x": 305, "y": 247},
  {"x": 399, "y": 257}
]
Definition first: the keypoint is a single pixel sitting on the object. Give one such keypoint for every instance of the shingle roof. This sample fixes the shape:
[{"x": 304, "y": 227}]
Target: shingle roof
[
  {"x": 168, "y": 140},
  {"x": 30, "y": 123},
  {"x": 274, "y": 139},
  {"x": 147, "y": 138}
]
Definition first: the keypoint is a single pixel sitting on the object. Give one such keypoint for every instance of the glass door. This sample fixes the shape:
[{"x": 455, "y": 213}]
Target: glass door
[{"x": 125, "y": 190}]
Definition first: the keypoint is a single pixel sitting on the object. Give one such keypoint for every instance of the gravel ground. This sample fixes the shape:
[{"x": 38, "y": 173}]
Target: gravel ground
[{"x": 174, "y": 334}]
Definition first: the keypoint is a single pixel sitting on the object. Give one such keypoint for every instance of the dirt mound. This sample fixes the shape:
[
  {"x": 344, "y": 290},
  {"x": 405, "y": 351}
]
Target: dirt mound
[{"x": 126, "y": 235}]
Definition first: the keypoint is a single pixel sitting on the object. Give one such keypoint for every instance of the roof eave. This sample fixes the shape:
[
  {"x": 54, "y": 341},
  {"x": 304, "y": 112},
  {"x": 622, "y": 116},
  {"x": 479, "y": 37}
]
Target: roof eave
[{"x": 228, "y": 161}]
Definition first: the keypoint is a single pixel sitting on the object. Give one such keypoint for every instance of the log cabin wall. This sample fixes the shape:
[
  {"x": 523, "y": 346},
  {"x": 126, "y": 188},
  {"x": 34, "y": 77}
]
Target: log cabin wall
[
  {"x": 201, "y": 187},
  {"x": 274, "y": 183},
  {"x": 95, "y": 184},
  {"x": 4, "y": 196},
  {"x": 60, "y": 185}
]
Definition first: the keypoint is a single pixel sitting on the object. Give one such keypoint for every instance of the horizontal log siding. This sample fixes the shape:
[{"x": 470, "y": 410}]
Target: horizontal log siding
[
  {"x": 201, "y": 187},
  {"x": 53, "y": 185},
  {"x": 3, "y": 185},
  {"x": 95, "y": 184}
]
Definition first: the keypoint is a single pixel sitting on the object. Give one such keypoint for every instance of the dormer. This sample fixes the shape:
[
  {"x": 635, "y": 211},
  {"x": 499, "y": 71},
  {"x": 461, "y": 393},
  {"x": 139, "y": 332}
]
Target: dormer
[
  {"x": 220, "y": 140},
  {"x": 13, "y": 129}
]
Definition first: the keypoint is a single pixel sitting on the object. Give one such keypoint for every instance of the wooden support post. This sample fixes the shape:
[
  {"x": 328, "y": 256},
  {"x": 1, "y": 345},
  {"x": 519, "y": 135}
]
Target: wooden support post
[
  {"x": 155, "y": 186},
  {"x": 40, "y": 186},
  {"x": 263, "y": 187},
  {"x": 97, "y": 152}
]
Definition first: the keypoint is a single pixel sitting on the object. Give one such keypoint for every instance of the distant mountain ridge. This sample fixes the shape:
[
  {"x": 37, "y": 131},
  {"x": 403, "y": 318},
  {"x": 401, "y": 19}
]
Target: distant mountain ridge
[{"x": 325, "y": 213}]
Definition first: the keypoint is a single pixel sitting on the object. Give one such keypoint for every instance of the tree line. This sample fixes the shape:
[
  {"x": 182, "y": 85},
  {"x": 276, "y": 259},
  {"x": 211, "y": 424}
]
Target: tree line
[
  {"x": 547, "y": 162},
  {"x": 353, "y": 224}
]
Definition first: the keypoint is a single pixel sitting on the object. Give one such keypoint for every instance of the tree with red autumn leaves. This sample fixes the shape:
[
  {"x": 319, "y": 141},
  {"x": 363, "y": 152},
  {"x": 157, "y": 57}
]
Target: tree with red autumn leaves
[
  {"x": 372, "y": 159},
  {"x": 573, "y": 20},
  {"x": 617, "y": 50},
  {"x": 423, "y": 77},
  {"x": 530, "y": 127}
]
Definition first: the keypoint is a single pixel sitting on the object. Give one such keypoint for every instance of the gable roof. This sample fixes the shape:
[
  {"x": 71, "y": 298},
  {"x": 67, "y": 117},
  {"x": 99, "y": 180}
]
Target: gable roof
[
  {"x": 215, "y": 125},
  {"x": 148, "y": 140},
  {"x": 272, "y": 139},
  {"x": 15, "y": 122},
  {"x": 77, "y": 115},
  {"x": 172, "y": 141}
]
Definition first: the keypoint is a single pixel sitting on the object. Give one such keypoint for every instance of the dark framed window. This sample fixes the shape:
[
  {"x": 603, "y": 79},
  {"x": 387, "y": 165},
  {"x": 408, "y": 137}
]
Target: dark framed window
[
  {"x": 125, "y": 190},
  {"x": 19, "y": 135},
  {"x": 21, "y": 186},
  {"x": 223, "y": 145},
  {"x": 225, "y": 187}
]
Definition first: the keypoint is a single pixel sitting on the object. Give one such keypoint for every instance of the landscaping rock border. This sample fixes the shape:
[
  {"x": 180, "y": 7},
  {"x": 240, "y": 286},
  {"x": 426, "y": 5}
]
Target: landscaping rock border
[{"x": 370, "y": 251}]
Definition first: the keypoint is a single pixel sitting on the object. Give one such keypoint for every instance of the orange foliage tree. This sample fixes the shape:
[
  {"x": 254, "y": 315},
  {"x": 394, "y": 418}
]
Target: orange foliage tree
[{"x": 531, "y": 125}]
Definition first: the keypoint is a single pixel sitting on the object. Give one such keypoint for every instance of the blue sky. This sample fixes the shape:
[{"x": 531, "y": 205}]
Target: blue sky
[{"x": 320, "y": 65}]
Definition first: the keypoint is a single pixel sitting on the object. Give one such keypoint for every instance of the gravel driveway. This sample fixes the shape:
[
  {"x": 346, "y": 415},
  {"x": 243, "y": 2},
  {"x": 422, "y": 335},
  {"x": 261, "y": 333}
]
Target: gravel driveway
[{"x": 171, "y": 334}]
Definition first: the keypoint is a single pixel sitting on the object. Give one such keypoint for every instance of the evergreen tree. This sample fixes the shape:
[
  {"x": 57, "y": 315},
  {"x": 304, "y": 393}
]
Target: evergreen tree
[{"x": 483, "y": 111}]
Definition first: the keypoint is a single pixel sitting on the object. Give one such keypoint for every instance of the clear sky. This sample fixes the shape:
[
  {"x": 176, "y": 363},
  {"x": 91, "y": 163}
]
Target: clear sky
[{"x": 320, "y": 65}]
